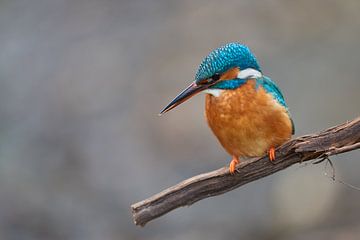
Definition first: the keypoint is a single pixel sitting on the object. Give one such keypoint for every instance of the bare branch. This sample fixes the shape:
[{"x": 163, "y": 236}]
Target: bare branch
[{"x": 335, "y": 140}]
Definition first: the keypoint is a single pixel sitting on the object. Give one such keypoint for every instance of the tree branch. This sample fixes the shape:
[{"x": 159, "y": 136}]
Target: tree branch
[{"x": 335, "y": 140}]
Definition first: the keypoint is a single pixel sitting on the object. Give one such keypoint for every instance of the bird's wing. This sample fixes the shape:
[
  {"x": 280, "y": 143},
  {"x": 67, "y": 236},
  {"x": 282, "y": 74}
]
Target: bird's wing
[{"x": 273, "y": 89}]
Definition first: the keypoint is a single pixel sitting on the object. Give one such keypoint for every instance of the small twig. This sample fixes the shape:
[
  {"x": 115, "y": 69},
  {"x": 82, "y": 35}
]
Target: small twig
[
  {"x": 349, "y": 185},
  {"x": 335, "y": 140},
  {"x": 333, "y": 177},
  {"x": 328, "y": 161}
]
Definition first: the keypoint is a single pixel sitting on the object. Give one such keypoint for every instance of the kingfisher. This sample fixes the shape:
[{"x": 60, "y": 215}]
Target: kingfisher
[{"x": 244, "y": 108}]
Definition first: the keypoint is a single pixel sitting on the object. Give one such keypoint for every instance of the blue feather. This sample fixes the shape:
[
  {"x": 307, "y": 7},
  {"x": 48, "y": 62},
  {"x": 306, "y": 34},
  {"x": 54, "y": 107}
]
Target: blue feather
[
  {"x": 226, "y": 57},
  {"x": 271, "y": 87},
  {"x": 229, "y": 84}
]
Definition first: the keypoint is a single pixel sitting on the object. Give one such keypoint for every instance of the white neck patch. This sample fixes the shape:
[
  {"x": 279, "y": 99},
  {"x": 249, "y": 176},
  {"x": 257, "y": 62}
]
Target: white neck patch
[
  {"x": 249, "y": 73},
  {"x": 214, "y": 92}
]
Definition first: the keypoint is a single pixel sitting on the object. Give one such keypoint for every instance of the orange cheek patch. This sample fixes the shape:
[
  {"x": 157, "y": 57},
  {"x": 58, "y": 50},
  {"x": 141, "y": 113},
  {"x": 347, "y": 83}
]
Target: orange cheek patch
[{"x": 230, "y": 74}]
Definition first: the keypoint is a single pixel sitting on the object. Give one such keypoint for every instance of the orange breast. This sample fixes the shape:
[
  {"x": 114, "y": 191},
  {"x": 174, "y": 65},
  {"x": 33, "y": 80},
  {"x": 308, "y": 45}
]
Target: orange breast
[{"x": 247, "y": 121}]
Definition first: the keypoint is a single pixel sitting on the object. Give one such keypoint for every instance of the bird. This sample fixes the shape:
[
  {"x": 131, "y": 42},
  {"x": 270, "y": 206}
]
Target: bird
[{"x": 245, "y": 109}]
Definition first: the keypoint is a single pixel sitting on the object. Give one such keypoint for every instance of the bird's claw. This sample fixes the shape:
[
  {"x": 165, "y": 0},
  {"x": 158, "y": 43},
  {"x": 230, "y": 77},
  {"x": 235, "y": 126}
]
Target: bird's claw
[
  {"x": 232, "y": 166},
  {"x": 272, "y": 154}
]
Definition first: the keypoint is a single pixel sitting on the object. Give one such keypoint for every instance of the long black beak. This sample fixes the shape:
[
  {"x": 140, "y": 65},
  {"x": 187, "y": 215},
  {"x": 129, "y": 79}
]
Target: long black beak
[{"x": 187, "y": 93}]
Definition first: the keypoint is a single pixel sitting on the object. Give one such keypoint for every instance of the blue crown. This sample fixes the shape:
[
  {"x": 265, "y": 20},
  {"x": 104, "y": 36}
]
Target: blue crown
[{"x": 226, "y": 57}]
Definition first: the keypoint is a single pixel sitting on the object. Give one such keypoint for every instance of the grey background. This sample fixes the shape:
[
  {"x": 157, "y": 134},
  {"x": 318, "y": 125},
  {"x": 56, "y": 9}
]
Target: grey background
[{"x": 81, "y": 83}]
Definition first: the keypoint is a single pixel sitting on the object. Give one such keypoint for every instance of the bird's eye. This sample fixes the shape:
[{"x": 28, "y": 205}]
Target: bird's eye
[
  {"x": 211, "y": 80},
  {"x": 215, "y": 77}
]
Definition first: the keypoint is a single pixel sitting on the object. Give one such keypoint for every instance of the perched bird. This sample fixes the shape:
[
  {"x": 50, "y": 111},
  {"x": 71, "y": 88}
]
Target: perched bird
[{"x": 245, "y": 109}]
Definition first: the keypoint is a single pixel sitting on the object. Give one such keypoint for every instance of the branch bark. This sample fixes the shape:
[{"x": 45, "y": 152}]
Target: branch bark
[{"x": 335, "y": 140}]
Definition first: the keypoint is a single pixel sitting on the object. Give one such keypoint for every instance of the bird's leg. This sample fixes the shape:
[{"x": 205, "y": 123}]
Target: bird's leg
[
  {"x": 233, "y": 163},
  {"x": 272, "y": 154}
]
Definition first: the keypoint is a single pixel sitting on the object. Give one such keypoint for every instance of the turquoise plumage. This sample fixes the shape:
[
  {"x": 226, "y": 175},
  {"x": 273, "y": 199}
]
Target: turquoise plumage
[
  {"x": 271, "y": 87},
  {"x": 224, "y": 58}
]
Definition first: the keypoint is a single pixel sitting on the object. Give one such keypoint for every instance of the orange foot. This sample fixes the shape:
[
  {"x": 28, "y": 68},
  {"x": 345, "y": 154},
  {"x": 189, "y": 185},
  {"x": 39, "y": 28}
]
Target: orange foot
[
  {"x": 272, "y": 154},
  {"x": 233, "y": 164}
]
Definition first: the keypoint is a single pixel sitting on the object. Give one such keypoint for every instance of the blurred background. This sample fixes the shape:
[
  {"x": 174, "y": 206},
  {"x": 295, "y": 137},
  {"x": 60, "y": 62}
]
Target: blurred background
[{"x": 82, "y": 81}]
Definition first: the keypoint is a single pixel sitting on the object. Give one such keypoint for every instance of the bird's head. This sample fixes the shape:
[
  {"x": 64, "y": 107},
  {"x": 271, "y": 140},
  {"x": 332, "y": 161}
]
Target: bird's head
[{"x": 226, "y": 67}]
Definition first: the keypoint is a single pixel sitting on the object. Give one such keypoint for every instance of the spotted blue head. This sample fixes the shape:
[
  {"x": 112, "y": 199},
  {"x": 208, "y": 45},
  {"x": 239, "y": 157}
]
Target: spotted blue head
[
  {"x": 224, "y": 58},
  {"x": 227, "y": 67}
]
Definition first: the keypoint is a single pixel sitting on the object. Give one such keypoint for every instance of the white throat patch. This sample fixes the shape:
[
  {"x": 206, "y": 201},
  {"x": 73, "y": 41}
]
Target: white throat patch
[
  {"x": 214, "y": 92},
  {"x": 249, "y": 73}
]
